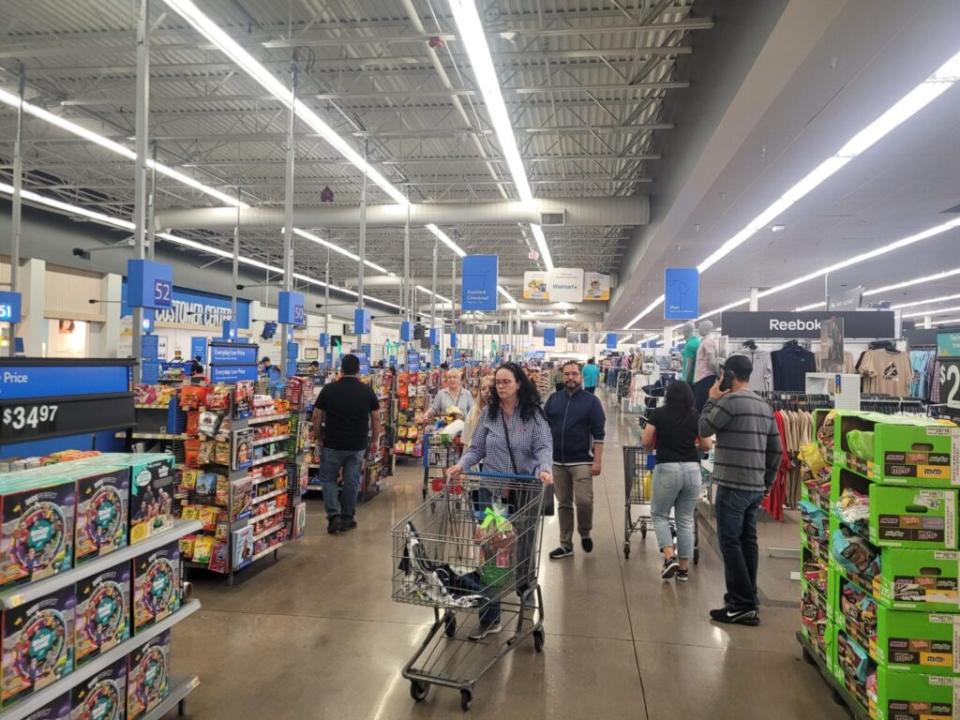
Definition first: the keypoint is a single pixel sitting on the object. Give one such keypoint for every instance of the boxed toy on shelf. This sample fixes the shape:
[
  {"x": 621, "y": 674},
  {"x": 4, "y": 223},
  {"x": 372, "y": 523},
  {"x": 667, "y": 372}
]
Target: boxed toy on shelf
[
  {"x": 156, "y": 585},
  {"x": 102, "y": 696},
  {"x": 148, "y": 669},
  {"x": 103, "y": 611}
]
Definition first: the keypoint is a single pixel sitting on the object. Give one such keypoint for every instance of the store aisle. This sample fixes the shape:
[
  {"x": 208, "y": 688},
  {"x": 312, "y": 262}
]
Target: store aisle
[{"x": 316, "y": 635}]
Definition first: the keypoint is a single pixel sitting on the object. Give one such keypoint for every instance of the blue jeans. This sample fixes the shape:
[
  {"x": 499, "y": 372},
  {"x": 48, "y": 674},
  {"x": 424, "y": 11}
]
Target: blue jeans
[
  {"x": 330, "y": 466},
  {"x": 676, "y": 486},
  {"x": 737, "y": 534}
]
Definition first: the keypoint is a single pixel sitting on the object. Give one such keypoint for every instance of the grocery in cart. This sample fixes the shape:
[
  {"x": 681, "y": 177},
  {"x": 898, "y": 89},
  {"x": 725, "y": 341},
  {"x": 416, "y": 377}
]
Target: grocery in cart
[{"x": 473, "y": 556}]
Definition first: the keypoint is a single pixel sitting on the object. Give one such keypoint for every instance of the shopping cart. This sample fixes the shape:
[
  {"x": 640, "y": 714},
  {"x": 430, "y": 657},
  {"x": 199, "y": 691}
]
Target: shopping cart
[
  {"x": 440, "y": 453},
  {"x": 475, "y": 552},
  {"x": 638, "y": 467}
]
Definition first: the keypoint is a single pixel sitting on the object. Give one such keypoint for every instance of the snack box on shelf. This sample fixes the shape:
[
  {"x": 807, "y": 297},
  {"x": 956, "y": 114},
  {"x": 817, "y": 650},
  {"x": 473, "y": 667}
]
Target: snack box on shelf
[
  {"x": 901, "y": 695},
  {"x": 156, "y": 585},
  {"x": 851, "y": 666},
  {"x": 907, "y": 517},
  {"x": 152, "y": 477},
  {"x": 104, "y": 695},
  {"x": 148, "y": 669},
  {"x": 38, "y": 511},
  {"x": 103, "y": 611},
  {"x": 913, "y": 450},
  {"x": 820, "y": 636},
  {"x": 57, "y": 709},
  {"x": 37, "y": 644},
  {"x": 103, "y": 500}
]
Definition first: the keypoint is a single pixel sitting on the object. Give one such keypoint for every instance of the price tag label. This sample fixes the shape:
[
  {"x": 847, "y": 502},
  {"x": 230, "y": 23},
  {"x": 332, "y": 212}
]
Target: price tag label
[
  {"x": 19, "y": 417},
  {"x": 950, "y": 383},
  {"x": 22, "y": 420}
]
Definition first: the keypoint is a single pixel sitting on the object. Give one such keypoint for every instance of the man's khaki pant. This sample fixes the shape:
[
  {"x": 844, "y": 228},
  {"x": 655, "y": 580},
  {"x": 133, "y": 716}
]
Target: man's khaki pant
[{"x": 573, "y": 484}]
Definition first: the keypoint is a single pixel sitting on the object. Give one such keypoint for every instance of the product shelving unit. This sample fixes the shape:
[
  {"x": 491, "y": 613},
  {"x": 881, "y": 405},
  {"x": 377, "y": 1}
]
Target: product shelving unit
[{"x": 880, "y": 605}]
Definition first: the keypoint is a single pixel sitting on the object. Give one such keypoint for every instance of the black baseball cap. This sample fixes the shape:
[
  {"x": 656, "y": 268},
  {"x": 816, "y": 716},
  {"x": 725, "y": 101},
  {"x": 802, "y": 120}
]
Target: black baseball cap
[{"x": 740, "y": 366}]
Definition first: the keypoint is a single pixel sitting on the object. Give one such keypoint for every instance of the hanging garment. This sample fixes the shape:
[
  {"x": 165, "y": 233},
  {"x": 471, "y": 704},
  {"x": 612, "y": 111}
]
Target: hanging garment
[
  {"x": 887, "y": 372},
  {"x": 773, "y": 502},
  {"x": 761, "y": 379},
  {"x": 790, "y": 366}
]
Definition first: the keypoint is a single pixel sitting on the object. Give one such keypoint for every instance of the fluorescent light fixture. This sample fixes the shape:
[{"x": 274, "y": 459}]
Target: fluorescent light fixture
[
  {"x": 811, "y": 306},
  {"x": 928, "y": 301},
  {"x": 778, "y": 228},
  {"x": 68, "y": 209},
  {"x": 942, "y": 79},
  {"x": 474, "y": 40},
  {"x": 508, "y": 296},
  {"x": 115, "y": 147},
  {"x": 206, "y": 27},
  {"x": 953, "y": 321},
  {"x": 914, "y": 281},
  {"x": 445, "y": 239},
  {"x": 337, "y": 249},
  {"x": 924, "y": 313},
  {"x": 646, "y": 311}
]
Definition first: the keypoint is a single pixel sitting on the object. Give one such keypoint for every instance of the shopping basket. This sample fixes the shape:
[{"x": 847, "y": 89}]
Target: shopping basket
[
  {"x": 440, "y": 453},
  {"x": 638, "y": 467},
  {"x": 473, "y": 551}
]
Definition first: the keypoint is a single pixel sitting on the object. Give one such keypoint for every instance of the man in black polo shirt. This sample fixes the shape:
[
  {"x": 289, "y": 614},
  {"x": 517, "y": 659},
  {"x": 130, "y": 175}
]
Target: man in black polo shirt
[{"x": 340, "y": 418}]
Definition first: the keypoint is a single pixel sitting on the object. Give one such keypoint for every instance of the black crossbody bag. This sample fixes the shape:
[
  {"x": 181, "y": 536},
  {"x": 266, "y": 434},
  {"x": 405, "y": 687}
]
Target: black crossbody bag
[{"x": 547, "y": 491}]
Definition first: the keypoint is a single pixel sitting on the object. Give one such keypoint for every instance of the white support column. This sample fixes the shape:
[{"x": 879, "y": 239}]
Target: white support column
[
  {"x": 16, "y": 207},
  {"x": 927, "y": 322},
  {"x": 754, "y": 299},
  {"x": 33, "y": 326},
  {"x": 286, "y": 334},
  {"x": 105, "y": 340},
  {"x": 141, "y": 123}
]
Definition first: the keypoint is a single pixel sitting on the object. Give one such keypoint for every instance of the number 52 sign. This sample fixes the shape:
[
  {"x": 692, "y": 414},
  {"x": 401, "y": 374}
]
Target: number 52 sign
[{"x": 149, "y": 284}]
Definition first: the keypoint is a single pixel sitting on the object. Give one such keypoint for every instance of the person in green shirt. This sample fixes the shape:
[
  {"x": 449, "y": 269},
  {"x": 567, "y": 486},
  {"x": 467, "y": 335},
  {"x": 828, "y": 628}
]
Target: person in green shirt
[
  {"x": 591, "y": 376},
  {"x": 689, "y": 352}
]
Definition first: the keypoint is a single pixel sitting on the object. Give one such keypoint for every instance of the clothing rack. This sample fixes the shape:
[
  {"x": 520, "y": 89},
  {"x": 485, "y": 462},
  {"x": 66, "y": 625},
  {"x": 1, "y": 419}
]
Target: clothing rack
[
  {"x": 796, "y": 400},
  {"x": 889, "y": 405}
]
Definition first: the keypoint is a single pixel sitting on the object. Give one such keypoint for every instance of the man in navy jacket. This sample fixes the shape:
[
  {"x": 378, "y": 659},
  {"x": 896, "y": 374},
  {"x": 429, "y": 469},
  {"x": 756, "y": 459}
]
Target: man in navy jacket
[{"x": 577, "y": 423}]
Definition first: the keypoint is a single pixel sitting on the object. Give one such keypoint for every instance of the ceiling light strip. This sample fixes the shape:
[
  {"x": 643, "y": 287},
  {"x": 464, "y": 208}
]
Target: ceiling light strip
[
  {"x": 918, "y": 98},
  {"x": 209, "y": 29},
  {"x": 928, "y": 301}
]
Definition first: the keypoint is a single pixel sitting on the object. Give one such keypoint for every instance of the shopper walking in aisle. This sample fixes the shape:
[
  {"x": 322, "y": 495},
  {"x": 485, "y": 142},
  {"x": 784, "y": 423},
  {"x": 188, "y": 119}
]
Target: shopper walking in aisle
[
  {"x": 475, "y": 416},
  {"x": 672, "y": 430},
  {"x": 342, "y": 417},
  {"x": 591, "y": 376},
  {"x": 744, "y": 467},
  {"x": 512, "y": 438},
  {"x": 577, "y": 423},
  {"x": 453, "y": 394}
]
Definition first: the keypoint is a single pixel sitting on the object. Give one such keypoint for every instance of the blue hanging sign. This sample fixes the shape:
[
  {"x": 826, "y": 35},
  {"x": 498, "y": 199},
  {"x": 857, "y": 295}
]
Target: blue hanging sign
[
  {"x": 549, "y": 337},
  {"x": 229, "y": 330},
  {"x": 681, "y": 294},
  {"x": 29, "y": 381},
  {"x": 361, "y": 321},
  {"x": 10, "y": 303},
  {"x": 413, "y": 361},
  {"x": 291, "y": 308},
  {"x": 454, "y": 340},
  {"x": 432, "y": 337},
  {"x": 479, "y": 283},
  {"x": 150, "y": 284},
  {"x": 324, "y": 340},
  {"x": 611, "y": 341},
  {"x": 364, "y": 363},
  {"x": 406, "y": 331},
  {"x": 436, "y": 356},
  {"x": 198, "y": 348}
]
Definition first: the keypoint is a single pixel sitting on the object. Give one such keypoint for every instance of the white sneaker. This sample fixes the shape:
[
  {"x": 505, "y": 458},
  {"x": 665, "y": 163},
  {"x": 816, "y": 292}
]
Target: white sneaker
[{"x": 483, "y": 630}]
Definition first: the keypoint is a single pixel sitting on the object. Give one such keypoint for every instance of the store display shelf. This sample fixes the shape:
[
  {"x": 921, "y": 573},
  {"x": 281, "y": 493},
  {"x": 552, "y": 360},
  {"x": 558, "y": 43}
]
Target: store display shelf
[
  {"x": 264, "y": 498},
  {"x": 261, "y": 554},
  {"x": 153, "y": 436},
  {"x": 267, "y": 418},
  {"x": 17, "y": 596},
  {"x": 151, "y": 407},
  {"x": 270, "y": 513},
  {"x": 38, "y": 699},
  {"x": 268, "y": 532},
  {"x": 269, "y": 458},
  {"x": 840, "y": 693},
  {"x": 180, "y": 687},
  {"x": 267, "y": 441},
  {"x": 257, "y": 481}
]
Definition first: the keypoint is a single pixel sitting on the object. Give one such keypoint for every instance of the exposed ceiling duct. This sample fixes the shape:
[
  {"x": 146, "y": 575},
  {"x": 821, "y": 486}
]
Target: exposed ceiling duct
[{"x": 612, "y": 211}]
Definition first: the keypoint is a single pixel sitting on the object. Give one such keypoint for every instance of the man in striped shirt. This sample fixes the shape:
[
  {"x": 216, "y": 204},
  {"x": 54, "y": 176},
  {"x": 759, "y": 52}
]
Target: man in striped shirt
[{"x": 745, "y": 464}]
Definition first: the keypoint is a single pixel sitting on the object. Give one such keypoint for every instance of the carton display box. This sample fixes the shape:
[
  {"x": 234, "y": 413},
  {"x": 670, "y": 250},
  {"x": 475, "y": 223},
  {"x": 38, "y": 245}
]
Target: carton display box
[
  {"x": 102, "y": 696},
  {"x": 103, "y": 499},
  {"x": 148, "y": 668},
  {"x": 37, "y": 644},
  {"x": 36, "y": 537},
  {"x": 156, "y": 585},
  {"x": 103, "y": 611},
  {"x": 56, "y": 709},
  {"x": 909, "y": 695}
]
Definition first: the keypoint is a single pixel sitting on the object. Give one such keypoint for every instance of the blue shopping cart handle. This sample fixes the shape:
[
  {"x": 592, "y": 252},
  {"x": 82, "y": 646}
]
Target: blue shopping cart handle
[{"x": 501, "y": 476}]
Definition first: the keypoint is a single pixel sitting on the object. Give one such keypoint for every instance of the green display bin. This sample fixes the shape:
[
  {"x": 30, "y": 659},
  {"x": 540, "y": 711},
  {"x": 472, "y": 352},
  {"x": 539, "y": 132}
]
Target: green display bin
[
  {"x": 913, "y": 450},
  {"x": 901, "y": 695}
]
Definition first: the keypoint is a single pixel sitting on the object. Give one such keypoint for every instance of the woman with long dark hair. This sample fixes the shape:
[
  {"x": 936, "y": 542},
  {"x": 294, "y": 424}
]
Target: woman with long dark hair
[
  {"x": 672, "y": 429},
  {"x": 512, "y": 437}
]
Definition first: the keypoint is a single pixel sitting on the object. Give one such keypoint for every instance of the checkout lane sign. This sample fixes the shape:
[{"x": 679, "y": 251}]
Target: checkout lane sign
[{"x": 10, "y": 307}]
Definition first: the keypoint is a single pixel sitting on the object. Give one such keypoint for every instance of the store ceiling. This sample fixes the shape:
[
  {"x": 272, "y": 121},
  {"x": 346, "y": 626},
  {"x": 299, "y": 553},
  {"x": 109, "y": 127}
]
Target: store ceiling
[
  {"x": 860, "y": 66},
  {"x": 584, "y": 83}
]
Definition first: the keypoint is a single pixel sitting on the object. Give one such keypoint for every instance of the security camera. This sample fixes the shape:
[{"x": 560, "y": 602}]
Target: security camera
[{"x": 81, "y": 253}]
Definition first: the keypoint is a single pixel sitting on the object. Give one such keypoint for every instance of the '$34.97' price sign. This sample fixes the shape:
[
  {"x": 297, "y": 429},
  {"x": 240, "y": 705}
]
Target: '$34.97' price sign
[{"x": 20, "y": 417}]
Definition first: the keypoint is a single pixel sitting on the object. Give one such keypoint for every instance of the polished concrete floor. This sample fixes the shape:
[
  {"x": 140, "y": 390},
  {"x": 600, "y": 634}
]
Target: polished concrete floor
[{"x": 315, "y": 635}]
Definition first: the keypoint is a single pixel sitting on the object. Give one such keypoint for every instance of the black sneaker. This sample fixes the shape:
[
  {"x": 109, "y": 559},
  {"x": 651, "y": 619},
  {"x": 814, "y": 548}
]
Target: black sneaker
[
  {"x": 735, "y": 617},
  {"x": 333, "y": 526},
  {"x": 587, "y": 544},
  {"x": 347, "y": 523},
  {"x": 670, "y": 567},
  {"x": 683, "y": 575},
  {"x": 561, "y": 552}
]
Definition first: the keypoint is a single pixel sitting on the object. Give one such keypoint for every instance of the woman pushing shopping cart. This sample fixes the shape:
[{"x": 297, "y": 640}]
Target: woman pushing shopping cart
[{"x": 480, "y": 546}]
